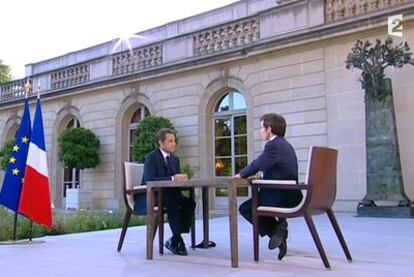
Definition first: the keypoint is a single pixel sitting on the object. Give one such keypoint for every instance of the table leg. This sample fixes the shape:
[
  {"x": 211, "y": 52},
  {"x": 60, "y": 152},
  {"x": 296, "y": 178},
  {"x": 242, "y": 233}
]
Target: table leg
[
  {"x": 150, "y": 225},
  {"x": 232, "y": 195},
  {"x": 193, "y": 230},
  {"x": 205, "y": 218},
  {"x": 160, "y": 222}
]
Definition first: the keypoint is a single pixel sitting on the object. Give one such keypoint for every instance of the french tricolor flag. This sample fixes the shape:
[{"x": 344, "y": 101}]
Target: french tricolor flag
[{"x": 35, "y": 197}]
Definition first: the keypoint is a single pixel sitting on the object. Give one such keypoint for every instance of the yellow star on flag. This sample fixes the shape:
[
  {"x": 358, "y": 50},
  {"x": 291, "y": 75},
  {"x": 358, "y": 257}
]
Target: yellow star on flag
[
  {"x": 16, "y": 171},
  {"x": 25, "y": 140},
  {"x": 12, "y": 160},
  {"x": 16, "y": 148}
]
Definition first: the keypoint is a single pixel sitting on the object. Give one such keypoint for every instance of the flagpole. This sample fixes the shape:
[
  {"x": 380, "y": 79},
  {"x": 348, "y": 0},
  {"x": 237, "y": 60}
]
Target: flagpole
[
  {"x": 31, "y": 231},
  {"x": 15, "y": 226},
  {"x": 38, "y": 89},
  {"x": 31, "y": 221}
]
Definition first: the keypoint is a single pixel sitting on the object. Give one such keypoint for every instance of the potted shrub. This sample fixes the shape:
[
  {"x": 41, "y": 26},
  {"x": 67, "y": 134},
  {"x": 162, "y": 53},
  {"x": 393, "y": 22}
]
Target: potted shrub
[
  {"x": 384, "y": 177},
  {"x": 78, "y": 149}
]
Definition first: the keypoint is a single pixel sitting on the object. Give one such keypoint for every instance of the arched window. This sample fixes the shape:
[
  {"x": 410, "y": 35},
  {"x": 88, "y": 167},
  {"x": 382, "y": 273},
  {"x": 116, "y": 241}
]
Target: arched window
[
  {"x": 136, "y": 117},
  {"x": 230, "y": 137},
  {"x": 71, "y": 175},
  {"x": 12, "y": 132}
]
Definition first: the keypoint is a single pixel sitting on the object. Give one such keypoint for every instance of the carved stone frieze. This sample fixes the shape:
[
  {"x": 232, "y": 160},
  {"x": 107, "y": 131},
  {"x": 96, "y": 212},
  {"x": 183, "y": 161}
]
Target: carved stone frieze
[
  {"x": 136, "y": 59},
  {"x": 226, "y": 37},
  {"x": 71, "y": 76},
  {"x": 340, "y": 9}
]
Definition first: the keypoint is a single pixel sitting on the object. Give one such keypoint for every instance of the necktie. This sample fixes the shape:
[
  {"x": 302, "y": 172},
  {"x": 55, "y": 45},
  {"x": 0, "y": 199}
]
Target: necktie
[{"x": 168, "y": 160}]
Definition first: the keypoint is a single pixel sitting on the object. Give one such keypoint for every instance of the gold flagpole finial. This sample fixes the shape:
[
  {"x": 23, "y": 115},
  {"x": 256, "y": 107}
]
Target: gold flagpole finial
[{"x": 27, "y": 87}]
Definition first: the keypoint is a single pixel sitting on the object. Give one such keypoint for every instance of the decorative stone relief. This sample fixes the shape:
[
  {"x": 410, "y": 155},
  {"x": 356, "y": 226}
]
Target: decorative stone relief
[
  {"x": 329, "y": 10},
  {"x": 340, "y": 9},
  {"x": 351, "y": 8},
  {"x": 136, "y": 59},
  {"x": 71, "y": 76},
  {"x": 363, "y": 6},
  {"x": 373, "y": 4},
  {"x": 67, "y": 103},
  {"x": 226, "y": 37}
]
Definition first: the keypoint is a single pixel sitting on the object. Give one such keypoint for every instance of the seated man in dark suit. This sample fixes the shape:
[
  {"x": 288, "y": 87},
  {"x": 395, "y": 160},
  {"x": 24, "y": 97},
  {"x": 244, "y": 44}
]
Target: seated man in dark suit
[
  {"x": 278, "y": 162},
  {"x": 162, "y": 165}
]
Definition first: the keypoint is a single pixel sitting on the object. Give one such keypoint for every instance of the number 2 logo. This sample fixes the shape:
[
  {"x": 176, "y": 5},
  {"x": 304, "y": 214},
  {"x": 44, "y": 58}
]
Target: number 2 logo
[{"x": 395, "y": 25}]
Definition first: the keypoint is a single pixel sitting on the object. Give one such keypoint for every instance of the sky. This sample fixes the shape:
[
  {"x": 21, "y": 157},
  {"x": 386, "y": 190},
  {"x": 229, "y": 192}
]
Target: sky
[{"x": 32, "y": 31}]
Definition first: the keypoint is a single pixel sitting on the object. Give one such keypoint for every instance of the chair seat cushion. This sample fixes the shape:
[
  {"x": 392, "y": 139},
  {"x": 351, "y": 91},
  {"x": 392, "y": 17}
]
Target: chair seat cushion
[
  {"x": 283, "y": 210},
  {"x": 279, "y": 182}
]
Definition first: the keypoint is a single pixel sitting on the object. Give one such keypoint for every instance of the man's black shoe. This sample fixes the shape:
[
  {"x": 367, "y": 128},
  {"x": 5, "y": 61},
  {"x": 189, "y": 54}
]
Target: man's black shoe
[
  {"x": 282, "y": 248},
  {"x": 181, "y": 249},
  {"x": 168, "y": 244},
  {"x": 178, "y": 249},
  {"x": 278, "y": 235}
]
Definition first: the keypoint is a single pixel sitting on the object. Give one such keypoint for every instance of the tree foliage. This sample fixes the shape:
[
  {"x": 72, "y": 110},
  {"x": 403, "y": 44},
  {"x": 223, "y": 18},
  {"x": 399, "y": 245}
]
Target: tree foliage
[
  {"x": 79, "y": 148},
  {"x": 372, "y": 59},
  {"x": 145, "y": 135},
  {"x": 5, "y": 75},
  {"x": 5, "y": 153}
]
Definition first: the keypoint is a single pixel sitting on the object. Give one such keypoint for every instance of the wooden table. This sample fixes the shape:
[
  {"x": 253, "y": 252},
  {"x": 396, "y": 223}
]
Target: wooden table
[{"x": 205, "y": 184}]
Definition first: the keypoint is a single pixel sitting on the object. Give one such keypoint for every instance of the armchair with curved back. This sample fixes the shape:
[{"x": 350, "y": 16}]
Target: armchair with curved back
[
  {"x": 132, "y": 173},
  {"x": 319, "y": 191}
]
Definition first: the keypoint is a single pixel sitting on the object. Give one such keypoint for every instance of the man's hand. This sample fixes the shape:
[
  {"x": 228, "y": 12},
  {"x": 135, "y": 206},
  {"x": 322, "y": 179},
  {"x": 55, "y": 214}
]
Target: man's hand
[
  {"x": 180, "y": 177},
  {"x": 237, "y": 176}
]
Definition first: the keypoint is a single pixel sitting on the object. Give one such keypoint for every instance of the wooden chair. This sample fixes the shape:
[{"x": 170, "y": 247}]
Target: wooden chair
[
  {"x": 133, "y": 173},
  {"x": 319, "y": 195}
]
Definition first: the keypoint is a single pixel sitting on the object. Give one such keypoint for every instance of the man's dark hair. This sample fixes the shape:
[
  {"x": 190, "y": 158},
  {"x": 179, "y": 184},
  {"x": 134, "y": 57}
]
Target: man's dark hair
[
  {"x": 162, "y": 134},
  {"x": 276, "y": 122}
]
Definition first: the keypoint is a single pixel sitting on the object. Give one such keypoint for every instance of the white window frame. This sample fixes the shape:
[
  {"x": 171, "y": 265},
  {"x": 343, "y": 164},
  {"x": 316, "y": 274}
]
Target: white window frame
[
  {"x": 230, "y": 114},
  {"x": 133, "y": 126}
]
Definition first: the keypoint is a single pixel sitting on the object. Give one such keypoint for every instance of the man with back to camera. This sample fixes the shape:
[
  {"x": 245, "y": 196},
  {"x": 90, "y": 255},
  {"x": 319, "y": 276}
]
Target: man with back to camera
[
  {"x": 278, "y": 162},
  {"x": 162, "y": 165}
]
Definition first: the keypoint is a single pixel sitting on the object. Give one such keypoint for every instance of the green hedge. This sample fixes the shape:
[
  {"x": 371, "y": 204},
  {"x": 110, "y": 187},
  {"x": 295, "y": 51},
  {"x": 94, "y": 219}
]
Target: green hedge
[{"x": 82, "y": 221}]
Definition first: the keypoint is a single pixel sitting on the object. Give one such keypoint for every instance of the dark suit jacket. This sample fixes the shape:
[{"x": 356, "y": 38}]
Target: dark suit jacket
[
  {"x": 278, "y": 162},
  {"x": 156, "y": 169}
]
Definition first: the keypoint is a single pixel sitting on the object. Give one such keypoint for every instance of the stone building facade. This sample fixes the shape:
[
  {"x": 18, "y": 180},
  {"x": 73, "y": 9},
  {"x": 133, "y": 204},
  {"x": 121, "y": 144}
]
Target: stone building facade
[{"x": 213, "y": 75}]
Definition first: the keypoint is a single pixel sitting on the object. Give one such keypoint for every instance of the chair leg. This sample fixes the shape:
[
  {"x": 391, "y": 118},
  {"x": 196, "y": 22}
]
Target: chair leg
[
  {"x": 338, "y": 232},
  {"x": 124, "y": 229},
  {"x": 255, "y": 225},
  {"x": 316, "y": 239},
  {"x": 155, "y": 223},
  {"x": 193, "y": 234},
  {"x": 255, "y": 239}
]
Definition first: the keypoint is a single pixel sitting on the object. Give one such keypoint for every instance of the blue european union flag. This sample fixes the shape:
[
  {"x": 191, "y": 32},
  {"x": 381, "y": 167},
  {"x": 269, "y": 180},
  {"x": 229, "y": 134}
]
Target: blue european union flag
[{"x": 13, "y": 180}]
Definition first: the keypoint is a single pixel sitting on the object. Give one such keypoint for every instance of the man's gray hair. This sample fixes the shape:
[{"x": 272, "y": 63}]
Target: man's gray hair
[{"x": 162, "y": 134}]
